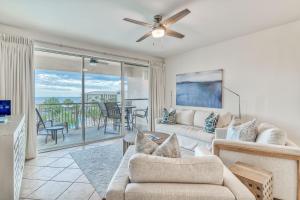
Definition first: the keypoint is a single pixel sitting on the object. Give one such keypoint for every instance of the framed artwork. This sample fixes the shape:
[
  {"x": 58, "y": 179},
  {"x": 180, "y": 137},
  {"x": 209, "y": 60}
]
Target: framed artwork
[{"x": 200, "y": 89}]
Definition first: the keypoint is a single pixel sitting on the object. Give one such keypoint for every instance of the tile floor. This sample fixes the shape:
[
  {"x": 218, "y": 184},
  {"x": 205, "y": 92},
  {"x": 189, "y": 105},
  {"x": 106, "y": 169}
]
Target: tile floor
[{"x": 55, "y": 175}]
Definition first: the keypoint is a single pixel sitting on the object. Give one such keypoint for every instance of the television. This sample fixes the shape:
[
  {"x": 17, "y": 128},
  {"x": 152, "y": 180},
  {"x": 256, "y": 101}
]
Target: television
[{"x": 5, "y": 107}]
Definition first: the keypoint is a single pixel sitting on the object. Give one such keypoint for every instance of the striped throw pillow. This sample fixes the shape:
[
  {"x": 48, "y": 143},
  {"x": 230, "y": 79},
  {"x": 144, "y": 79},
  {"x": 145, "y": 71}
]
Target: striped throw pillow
[{"x": 211, "y": 123}]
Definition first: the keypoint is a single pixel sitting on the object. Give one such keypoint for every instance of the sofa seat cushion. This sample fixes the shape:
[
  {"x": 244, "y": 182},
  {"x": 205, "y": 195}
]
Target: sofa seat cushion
[
  {"x": 149, "y": 169},
  {"x": 169, "y": 191},
  {"x": 188, "y": 131}
]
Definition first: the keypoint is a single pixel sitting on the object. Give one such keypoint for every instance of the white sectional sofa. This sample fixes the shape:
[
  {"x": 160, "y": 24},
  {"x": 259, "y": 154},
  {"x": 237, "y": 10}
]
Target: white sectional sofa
[
  {"x": 170, "y": 183},
  {"x": 189, "y": 128}
]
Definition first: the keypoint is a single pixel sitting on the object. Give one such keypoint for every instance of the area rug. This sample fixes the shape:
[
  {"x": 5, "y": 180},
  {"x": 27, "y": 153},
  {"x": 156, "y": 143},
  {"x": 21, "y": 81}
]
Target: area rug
[{"x": 99, "y": 164}]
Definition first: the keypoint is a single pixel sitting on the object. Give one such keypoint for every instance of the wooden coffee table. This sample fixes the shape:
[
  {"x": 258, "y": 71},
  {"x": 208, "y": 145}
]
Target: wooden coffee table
[{"x": 129, "y": 139}]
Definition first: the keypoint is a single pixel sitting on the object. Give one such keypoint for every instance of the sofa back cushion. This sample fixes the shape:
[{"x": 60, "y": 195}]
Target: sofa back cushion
[
  {"x": 224, "y": 120},
  {"x": 199, "y": 117},
  {"x": 155, "y": 169},
  {"x": 185, "y": 117},
  {"x": 270, "y": 134}
]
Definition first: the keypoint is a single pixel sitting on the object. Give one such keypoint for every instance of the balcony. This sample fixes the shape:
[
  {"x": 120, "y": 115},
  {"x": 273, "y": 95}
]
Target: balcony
[{"x": 69, "y": 115}]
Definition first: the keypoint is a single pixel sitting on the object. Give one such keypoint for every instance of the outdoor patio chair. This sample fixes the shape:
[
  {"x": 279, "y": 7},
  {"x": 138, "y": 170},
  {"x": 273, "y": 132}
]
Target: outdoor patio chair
[
  {"x": 140, "y": 113},
  {"x": 111, "y": 110},
  {"x": 42, "y": 125}
]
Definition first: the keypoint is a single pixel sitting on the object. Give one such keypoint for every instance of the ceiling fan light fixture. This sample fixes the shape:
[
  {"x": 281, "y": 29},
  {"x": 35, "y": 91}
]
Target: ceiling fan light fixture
[{"x": 158, "y": 32}]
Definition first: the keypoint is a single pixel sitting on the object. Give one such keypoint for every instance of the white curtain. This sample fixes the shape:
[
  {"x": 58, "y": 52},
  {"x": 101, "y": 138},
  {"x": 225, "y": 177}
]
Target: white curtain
[
  {"x": 157, "y": 92},
  {"x": 17, "y": 82}
]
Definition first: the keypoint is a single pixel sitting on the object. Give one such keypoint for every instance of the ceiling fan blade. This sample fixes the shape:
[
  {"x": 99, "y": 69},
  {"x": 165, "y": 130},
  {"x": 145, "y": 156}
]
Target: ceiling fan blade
[
  {"x": 144, "y": 37},
  {"x": 174, "y": 34},
  {"x": 176, "y": 17},
  {"x": 138, "y": 22}
]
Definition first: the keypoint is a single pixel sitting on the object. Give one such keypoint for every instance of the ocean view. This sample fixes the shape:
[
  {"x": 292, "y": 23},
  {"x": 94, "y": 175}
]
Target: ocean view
[{"x": 40, "y": 100}]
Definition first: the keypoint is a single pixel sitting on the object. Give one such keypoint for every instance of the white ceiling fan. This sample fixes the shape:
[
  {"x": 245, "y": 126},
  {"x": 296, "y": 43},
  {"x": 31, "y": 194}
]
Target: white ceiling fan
[{"x": 160, "y": 27}]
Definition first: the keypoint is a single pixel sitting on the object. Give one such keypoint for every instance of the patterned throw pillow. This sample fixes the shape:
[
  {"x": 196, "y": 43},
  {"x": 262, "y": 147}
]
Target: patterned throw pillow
[
  {"x": 244, "y": 132},
  {"x": 211, "y": 123},
  {"x": 144, "y": 144},
  {"x": 169, "y": 148},
  {"x": 168, "y": 117}
]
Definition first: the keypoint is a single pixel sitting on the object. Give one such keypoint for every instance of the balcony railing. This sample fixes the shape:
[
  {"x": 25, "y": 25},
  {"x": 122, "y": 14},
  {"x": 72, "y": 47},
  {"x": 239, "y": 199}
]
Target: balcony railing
[{"x": 71, "y": 113}]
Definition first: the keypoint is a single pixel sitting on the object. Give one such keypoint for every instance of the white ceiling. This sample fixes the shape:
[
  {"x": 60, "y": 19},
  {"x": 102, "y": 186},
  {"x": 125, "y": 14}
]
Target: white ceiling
[{"x": 100, "y": 21}]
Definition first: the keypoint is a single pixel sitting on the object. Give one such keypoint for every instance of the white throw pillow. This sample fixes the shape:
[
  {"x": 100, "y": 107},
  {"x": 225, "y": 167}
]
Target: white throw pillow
[
  {"x": 169, "y": 148},
  {"x": 154, "y": 169},
  {"x": 199, "y": 118},
  {"x": 269, "y": 134},
  {"x": 185, "y": 117},
  {"x": 244, "y": 132}
]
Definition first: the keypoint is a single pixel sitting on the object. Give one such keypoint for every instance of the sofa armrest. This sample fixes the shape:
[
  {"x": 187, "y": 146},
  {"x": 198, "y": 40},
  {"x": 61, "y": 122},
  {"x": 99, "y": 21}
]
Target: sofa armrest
[
  {"x": 238, "y": 189},
  {"x": 282, "y": 161},
  {"x": 278, "y": 151},
  {"x": 220, "y": 133},
  {"x": 117, "y": 186}
]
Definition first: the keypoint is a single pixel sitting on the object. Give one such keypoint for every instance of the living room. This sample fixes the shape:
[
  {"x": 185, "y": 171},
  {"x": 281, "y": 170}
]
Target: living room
[{"x": 149, "y": 99}]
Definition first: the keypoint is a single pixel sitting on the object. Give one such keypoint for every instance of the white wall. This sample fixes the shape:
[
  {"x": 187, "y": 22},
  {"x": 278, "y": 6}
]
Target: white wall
[{"x": 264, "y": 68}]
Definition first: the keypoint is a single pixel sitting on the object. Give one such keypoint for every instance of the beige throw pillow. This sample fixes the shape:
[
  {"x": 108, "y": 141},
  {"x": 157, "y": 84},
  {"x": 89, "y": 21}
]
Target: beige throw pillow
[
  {"x": 224, "y": 120},
  {"x": 143, "y": 144},
  {"x": 185, "y": 117},
  {"x": 169, "y": 148}
]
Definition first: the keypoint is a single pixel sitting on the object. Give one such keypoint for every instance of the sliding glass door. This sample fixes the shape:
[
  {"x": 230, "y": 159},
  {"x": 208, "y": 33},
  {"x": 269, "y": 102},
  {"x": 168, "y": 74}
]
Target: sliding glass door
[
  {"x": 82, "y": 99},
  {"x": 102, "y": 94},
  {"x": 58, "y": 90},
  {"x": 136, "y": 93}
]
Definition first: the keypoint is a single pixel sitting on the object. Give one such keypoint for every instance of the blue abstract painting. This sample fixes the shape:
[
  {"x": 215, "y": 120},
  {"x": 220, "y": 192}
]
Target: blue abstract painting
[{"x": 200, "y": 89}]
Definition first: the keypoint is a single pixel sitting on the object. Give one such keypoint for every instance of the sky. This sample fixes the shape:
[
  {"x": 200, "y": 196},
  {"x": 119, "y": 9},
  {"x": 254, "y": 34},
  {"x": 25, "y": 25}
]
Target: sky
[{"x": 51, "y": 83}]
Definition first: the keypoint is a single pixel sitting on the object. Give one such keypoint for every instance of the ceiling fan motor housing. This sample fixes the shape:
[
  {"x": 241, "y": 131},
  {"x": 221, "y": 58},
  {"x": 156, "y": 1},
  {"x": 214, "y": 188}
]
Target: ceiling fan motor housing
[{"x": 157, "y": 18}]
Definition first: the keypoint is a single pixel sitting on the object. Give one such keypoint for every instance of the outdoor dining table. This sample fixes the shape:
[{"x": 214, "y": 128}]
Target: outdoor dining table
[{"x": 128, "y": 110}]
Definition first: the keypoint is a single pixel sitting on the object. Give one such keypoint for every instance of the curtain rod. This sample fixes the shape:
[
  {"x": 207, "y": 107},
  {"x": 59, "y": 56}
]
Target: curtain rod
[{"x": 123, "y": 58}]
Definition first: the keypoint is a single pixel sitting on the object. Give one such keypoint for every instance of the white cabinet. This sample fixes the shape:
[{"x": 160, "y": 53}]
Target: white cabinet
[{"x": 12, "y": 157}]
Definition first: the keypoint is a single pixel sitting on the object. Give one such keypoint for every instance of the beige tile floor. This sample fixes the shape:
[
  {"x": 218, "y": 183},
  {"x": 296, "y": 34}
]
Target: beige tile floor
[{"x": 55, "y": 175}]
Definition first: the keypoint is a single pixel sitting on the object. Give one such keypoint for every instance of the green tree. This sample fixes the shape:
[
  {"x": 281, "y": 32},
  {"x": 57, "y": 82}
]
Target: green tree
[
  {"x": 68, "y": 101},
  {"x": 51, "y": 100}
]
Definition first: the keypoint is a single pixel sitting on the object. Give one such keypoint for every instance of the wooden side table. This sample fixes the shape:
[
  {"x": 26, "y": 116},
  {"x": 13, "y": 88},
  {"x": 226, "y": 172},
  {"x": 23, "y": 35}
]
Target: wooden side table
[{"x": 257, "y": 180}]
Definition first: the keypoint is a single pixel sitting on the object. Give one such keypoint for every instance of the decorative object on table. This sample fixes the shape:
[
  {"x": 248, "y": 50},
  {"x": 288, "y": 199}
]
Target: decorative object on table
[
  {"x": 239, "y": 98},
  {"x": 211, "y": 122},
  {"x": 243, "y": 132},
  {"x": 157, "y": 137},
  {"x": 169, "y": 148},
  {"x": 3, "y": 120},
  {"x": 270, "y": 134},
  {"x": 200, "y": 89},
  {"x": 257, "y": 180},
  {"x": 99, "y": 164},
  {"x": 168, "y": 117},
  {"x": 5, "y": 108}
]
